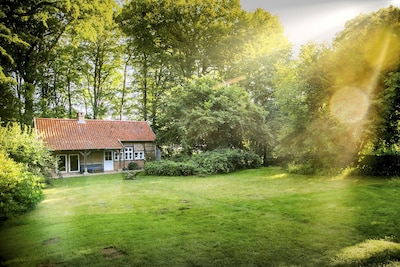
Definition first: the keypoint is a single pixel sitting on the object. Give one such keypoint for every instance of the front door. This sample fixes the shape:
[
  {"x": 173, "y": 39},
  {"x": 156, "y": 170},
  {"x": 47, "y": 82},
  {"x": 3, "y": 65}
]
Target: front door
[
  {"x": 108, "y": 161},
  {"x": 74, "y": 163}
]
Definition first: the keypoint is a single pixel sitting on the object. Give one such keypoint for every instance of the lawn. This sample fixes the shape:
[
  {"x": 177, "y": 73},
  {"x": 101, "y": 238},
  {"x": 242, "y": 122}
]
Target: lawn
[{"x": 261, "y": 217}]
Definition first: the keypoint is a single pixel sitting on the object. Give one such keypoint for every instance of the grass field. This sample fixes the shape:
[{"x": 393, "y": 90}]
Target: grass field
[{"x": 261, "y": 217}]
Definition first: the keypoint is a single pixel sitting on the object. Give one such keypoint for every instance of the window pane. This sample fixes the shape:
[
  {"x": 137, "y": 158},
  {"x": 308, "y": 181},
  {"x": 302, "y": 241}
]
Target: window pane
[
  {"x": 128, "y": 151},
  {"x": 139, "y": 155},
  {"x": 108, "y": 155}
]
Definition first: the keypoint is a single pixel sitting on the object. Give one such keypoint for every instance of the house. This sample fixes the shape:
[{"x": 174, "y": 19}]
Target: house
[{"x": 82, "y": 145}]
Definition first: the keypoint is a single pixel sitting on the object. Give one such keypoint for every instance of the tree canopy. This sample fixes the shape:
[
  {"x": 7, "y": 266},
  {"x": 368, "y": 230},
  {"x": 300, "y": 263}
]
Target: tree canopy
[{"x": 205, "y": 115}]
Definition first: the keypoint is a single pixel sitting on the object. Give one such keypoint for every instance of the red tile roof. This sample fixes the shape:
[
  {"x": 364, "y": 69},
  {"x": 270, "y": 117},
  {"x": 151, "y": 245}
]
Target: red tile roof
[{"x": 68, "y": 134}]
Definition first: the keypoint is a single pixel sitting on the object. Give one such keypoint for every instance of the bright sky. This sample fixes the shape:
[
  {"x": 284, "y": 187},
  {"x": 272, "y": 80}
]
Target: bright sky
[{"x": 315, "y": 20}]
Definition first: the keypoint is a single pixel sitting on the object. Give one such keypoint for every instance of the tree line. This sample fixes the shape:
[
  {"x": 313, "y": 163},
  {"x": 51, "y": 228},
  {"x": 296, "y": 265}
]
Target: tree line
[{"x": 206, "y": 75}]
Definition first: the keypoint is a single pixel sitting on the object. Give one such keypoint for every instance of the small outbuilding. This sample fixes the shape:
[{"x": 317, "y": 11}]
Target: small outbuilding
[{"x": 83, "y": 145}]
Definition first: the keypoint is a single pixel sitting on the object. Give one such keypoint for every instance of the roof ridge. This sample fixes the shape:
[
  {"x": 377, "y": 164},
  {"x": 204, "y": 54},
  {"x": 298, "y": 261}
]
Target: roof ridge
[{"x": 109, "y": 120}]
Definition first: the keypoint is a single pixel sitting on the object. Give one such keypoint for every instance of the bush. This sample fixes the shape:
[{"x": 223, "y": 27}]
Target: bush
[
  {"x": 227, "y": 160},
  {"x": 303, "y": 169},
  {"x": 213, "y": 162},
  {"x": 20, "y": 190},
  {"x": 379, "y": 165},
  {"x": 21, "y": 144},
  {"x": 170, "y": 168},
  {"x": 133, "y": 166}
]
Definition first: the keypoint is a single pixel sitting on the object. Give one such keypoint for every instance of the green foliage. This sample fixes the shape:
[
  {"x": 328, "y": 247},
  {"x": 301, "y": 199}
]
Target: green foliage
[
  {"x": 310, "y": 134},
  {"x": 24, "y": 147},
  {"x": 379, "y": 165},
  {"x": 333, "y": 101},
  {"x": 374, "y": 68},
  {"x": 226, "y": 161},
  {"x": 20, "y": 190},
  {"x": 205, "y": 115},
  {"x": 303, "y": 168},
  {"x": 133, "y": 166},
  {"x": 210, "y": 162},
  {"x": 170, "y": 168}
]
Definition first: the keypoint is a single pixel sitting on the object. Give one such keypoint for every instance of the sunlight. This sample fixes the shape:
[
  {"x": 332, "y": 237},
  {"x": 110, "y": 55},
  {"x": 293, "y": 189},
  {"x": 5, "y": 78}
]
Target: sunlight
[
  {"x": 318, "y": 27},
  {"x": 381, "y": 53},
  {"x": 277, "y": 176},
  {"x": 349, "y": 105},
  {"x": 368, "y": 249}
]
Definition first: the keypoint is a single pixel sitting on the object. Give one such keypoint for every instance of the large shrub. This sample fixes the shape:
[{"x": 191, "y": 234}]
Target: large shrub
[
  {"x": 20, "y": 190},
  {"x": 212, "y": 162},
  {"x": 22, "y": 145}
]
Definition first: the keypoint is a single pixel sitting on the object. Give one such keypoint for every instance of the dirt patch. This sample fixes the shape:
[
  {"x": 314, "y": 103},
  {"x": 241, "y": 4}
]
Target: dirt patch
[
  {"x": 112, "y": 252},
  {"x": 52, "y": 240}
]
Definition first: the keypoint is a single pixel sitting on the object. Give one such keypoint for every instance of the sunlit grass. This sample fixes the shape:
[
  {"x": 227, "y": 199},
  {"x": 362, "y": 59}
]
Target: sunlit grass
[{"x": 259, "y": 217}]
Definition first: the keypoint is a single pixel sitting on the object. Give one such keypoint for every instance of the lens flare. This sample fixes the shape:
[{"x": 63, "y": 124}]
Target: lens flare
[{"x": 349, "y": 105}]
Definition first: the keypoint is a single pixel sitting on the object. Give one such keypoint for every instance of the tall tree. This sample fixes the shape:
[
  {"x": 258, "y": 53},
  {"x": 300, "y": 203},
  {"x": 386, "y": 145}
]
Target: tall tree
[
  {"x": 331, "y": 98},
  {"x": 39, "y": 24},
  {"x": 262, "y": 47},
  {"x": 376, "y": 68},
  {"x": 173, "y": 40}
]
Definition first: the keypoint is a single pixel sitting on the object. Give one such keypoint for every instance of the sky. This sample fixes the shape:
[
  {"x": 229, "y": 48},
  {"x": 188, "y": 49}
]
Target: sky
[{"x": 315, "y": 20}]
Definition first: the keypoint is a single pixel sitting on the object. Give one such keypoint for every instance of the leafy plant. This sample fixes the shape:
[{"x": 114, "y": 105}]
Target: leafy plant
[
  {"x": 21, "y": 144},
  {"x": 133, "y": 166},
  {"x": 20, "y": 189}
]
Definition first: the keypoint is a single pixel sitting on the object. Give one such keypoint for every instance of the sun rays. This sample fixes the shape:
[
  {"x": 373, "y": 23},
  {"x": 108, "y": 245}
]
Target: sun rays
[{"x": 350, "y": 104}]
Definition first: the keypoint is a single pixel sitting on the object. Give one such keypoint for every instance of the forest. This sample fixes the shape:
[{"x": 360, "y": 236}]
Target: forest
[{"x": 207, "y": 74}]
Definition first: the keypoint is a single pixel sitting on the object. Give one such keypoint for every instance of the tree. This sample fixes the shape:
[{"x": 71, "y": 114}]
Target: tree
[
  {"x": 39, "y": 24},
  {"x": 331, "y": 97},
  {"x": 173, "y": 40},
  {"x": 262, "y": 48},
  {"x": 375, "y": 69},
  {"x": 204, "y": 115}
]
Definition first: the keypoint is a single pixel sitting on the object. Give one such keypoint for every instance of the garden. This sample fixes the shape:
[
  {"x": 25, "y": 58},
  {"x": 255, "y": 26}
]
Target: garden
[{"x": 259, "y": 217}]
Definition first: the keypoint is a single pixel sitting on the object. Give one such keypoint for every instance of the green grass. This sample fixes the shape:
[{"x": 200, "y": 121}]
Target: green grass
[{"x": 261, "y": 217}]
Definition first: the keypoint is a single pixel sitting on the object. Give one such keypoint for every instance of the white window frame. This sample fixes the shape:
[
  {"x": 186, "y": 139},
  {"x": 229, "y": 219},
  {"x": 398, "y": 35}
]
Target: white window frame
[
  {"x": 108, "y": 155},
  {"x": 139, "y": 155},
  {"x": 117, "y": 155},
  {"x": 128, "y": 153}
]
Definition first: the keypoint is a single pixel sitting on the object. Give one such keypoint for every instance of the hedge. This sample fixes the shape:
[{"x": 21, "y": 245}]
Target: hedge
[
  {"x": 379, "y": 165},
  {"x": 212, "y": 162}
]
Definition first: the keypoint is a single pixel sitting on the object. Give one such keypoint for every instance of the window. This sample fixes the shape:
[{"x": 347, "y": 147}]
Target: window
[
  {"x": 108, "y": 155},
  {"x": 128, "y": 153},
  {"x": 61, "y": 163},
  {"x": 139, "y": 155},
  {"x": 117, "y": 156}
]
